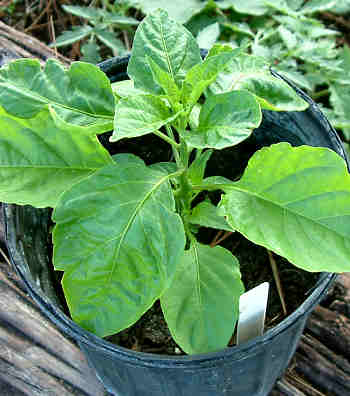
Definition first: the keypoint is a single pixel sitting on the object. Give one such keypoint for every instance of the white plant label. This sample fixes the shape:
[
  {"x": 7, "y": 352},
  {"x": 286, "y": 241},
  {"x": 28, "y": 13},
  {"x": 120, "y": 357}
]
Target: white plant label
[{"x": 252, "y": 311}]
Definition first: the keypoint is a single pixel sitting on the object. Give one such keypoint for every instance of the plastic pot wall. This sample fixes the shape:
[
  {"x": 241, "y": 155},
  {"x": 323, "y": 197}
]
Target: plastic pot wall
[{"x": 247, "y": 370}]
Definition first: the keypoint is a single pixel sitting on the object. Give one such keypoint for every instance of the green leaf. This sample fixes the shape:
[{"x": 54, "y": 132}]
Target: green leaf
[
  {"x": 71, "y": 36},
  {"x": 127, "y": 158},
  {"x": 109, "y": 39},
  {"x": 168, "y": 44},
  {"x": 207, "y": 37},
  {"x": 120, "y": 20},
  {"x": 91, "y": 52},
  {"x": 289, "y": 38},
  {"x": 295, "y": 201},
  {"x": 203, "y": 74},
  {"x": 81, "y": 95},
  {"x": 252, "y": 73},
  {"x": 313, "y": 6},
  {"x": 119, "y": 241},
  {"x": 217, "y": 49},
  {"x": 206, "y": 214},
  {"x": 242, "y": 28},
  {"x": 167, "y": 167},
  {"x": 197, "y": 167},
  {"x": 251, "y": 7},
  {"x": 180, "y": 10},
  {"x": 126, "y": 88},
  {"x": 225, "y": 120},
  {"x": 92, "y": 13},
  {"x": 207, "y": 278},
  {"x": 41, "y": 157},
  {"x": 216, "y": 181},
  {"x": 140, "y": 115},
  {"x": 165, "y": 81}
]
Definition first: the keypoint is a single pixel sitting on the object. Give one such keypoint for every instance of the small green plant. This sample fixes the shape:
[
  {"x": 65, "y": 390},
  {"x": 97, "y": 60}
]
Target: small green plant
[
  {"x": 102, "y": 26},
  {"x": 126, "y": 233}
]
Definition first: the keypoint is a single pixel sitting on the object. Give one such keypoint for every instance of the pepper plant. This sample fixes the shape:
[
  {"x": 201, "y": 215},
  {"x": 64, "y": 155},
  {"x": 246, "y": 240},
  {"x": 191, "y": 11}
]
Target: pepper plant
[{"x": 125, "y": 234}]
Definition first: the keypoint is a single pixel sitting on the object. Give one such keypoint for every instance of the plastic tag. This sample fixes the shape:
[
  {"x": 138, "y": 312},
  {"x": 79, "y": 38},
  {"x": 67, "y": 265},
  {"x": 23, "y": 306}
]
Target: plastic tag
[{"x": 252, "y": 310}]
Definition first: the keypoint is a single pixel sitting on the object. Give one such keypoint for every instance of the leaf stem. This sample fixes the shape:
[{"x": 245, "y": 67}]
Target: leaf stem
[
  {"x": 175, "y": 148},
  {"x": 167, "y": 139},
  {"x": 320, "y": 94}
]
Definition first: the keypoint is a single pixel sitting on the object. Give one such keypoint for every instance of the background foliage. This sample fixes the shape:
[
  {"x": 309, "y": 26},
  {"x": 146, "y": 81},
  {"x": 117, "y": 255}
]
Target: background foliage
[{"x": 308, "y": 41}]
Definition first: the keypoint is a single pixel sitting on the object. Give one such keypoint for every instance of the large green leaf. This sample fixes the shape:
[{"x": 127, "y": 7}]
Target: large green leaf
[
  {"x": 225, "y": 120},
  {"x": 252, "y": 73},
  {"x": 43, "y": 156},
  {"x": 81, "y": 95},
  {"x": 119, "y": 241},
  {"x": 206, "y": 279},
  {"x": 200, "y": 76},
  {"x": 168, "y": 44},
  {"x": 140, "y": 115},
  {"x": 296, "y": 202}
]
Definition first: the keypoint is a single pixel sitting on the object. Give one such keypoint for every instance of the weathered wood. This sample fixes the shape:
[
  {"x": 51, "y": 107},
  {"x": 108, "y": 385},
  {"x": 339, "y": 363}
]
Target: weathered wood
[
  {"x": 35, "y": 358},
  {"x": 15, "y": 44},
  {"x": 322, "y": 369},
  {"x": 342, "y": 302},
  {"x": 332, "y": 329},
  {"x": 286, "y": 388}
]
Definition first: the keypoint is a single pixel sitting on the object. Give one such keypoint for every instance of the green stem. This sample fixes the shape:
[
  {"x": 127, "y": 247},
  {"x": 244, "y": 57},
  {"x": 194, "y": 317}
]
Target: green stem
[
  {"x": 175, "y": 149},
  {"x": 320, "y": 94},
  {"x": 167, "y": 139}
]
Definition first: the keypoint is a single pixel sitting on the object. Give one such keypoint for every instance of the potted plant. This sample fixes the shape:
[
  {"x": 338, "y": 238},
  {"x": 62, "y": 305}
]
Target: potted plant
[{"x": 126, "y": 233}]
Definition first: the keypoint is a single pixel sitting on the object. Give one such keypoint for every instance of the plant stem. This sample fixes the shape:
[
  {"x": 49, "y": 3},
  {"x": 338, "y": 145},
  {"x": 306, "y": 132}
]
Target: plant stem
[
  {"x": 167, "y": 139},
  {"x": 175, "y": 149},
  {"x": 320, "y": 94},
  {"x": 219, "y": 238},
  {"x": 277, "y": 281}
]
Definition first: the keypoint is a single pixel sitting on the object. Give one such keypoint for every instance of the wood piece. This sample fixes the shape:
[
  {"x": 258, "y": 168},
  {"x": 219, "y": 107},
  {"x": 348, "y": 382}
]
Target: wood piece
[
  {"x": 322, "y": 367},
  {"x": 309, "y": 342},
  {"x": 341, "y": 303},
  {"x": 332, "y": 329},
  {"x": 35, "y": 358},
  {"x": 15, "y": 44},
  {"x": 285, "y": 388}
]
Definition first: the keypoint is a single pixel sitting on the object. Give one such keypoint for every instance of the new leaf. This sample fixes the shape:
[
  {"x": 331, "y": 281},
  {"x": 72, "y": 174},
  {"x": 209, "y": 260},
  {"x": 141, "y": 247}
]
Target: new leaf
[{"x": 168, "y": 44}]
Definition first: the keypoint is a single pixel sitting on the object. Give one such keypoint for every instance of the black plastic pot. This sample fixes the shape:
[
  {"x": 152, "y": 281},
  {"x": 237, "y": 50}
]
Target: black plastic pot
[{"x": 247, "y": 370}]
